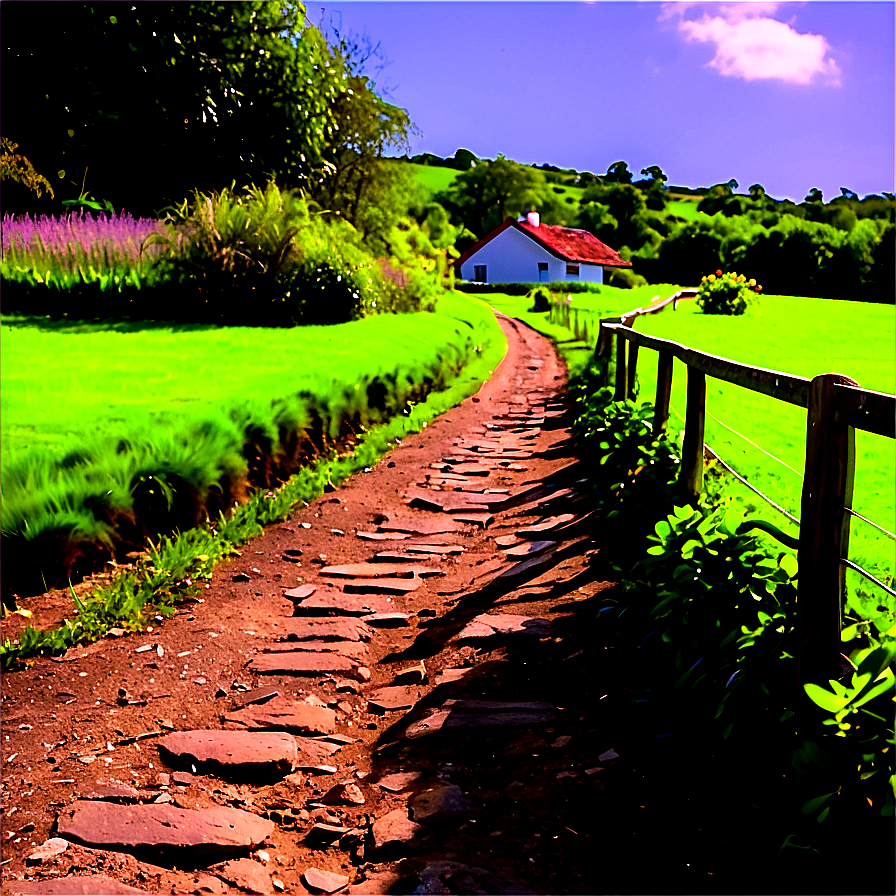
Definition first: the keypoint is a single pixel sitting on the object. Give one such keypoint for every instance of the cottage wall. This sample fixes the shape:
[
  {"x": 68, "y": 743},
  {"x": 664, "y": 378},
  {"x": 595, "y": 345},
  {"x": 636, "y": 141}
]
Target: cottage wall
[{"x": 511, "y": 257}]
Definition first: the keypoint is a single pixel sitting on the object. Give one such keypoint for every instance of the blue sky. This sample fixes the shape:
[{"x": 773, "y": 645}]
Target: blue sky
[{"x": 789, "y": 95}]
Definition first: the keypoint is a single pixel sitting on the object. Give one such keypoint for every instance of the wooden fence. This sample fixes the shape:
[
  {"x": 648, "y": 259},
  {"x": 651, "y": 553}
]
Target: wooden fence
[{"x": 836, "y": 407}]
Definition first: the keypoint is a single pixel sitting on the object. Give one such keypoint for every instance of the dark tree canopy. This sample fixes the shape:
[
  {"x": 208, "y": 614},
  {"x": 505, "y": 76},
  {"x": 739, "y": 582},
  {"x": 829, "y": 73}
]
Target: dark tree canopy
[{"x": 141, "y": 103}]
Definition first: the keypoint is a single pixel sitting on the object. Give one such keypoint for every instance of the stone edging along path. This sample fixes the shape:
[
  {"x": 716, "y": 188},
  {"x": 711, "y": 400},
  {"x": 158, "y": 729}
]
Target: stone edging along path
[{"x": 383, "y": 694}]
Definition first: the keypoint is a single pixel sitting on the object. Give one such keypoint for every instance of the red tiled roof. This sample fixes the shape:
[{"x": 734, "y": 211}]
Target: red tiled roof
[
  {"x": 567, "y": 243},
  {"x": 571, "y": 244}
]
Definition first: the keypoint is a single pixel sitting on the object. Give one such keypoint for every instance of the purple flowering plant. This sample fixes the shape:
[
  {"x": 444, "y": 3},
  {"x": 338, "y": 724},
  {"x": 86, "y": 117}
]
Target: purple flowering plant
[{"x": 78, "y": 247}]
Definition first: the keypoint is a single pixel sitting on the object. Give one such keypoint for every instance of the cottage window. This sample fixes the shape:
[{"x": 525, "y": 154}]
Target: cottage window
[
  {"x": 572, "y": 270},
  {"x": 542, "y": 271},
  {"x": 479, "y": 273}
]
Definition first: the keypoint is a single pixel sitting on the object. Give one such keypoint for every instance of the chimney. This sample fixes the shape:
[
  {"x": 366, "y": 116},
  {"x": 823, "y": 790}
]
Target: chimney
[{"x": 533, "y": 218}]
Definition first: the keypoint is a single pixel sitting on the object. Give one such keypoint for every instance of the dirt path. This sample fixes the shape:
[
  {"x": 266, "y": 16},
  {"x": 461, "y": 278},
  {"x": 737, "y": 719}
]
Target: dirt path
[{"x": 426, "y": 721}]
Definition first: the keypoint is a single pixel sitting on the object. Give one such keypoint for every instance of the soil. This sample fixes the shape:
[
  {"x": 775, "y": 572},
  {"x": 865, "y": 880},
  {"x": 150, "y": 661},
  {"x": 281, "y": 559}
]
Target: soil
[{"x": 535, "y": 781}]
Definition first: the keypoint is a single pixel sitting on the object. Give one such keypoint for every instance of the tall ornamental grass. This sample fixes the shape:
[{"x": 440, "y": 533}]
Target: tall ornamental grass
[{"x": 78, "y": 248}]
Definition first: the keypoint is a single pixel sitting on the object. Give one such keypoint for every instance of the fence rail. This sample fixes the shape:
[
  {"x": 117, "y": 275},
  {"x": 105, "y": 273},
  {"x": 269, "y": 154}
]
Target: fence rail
[{"x": 836, "y": 407}]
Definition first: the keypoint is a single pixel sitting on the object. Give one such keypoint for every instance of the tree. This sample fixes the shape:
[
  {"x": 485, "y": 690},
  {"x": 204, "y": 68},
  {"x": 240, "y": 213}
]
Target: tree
[
  {"x": 654, "y": 173},
  {"x": 161, "y": 98},
  {"x": 814, "y": 195},
  {"x": 482, "y": 197},
  {"x": 618, "y": 173}
]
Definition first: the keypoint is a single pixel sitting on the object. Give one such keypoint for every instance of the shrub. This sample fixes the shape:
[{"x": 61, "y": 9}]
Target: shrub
[
  {"x": 540, "y": 297},
  {"x": 729, "y": 293}
]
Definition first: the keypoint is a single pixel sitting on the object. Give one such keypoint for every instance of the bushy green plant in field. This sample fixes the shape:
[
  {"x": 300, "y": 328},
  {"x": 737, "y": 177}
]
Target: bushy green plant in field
[
  {"x": 728, "y": 293},
  {"x": 540, "y": 297},
  {"x": 261, "y": 254}
]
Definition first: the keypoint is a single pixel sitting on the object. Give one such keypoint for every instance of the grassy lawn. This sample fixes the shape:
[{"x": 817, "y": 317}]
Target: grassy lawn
[
  {"x": 432, "y": 178},
  {"x": 100, "y": 420},
  {"x": 64, "y": 381},
  {"x": 804, "y": 337},
  {"x": 686, "y": 208}
]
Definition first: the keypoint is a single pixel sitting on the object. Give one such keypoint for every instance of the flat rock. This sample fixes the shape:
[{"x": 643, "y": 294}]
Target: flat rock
[
  {"x": 383, "y": 536},
  {"x": 439, "y": 803},
  {"x": 459, "y": 716},
  {"x": 346, "y": 794},
  {"x": 265, "y": 753},
  {"x": 528, "y": 548},
  {"x": 88, "y": 885},
  {"x": 381, "y": 586},
  {"x": 217, "y": 831},
  {"x": 397, "y": 782},
  {"x": 394, "y": 830},
  {"x": 245, "y": 874},
  {"x": 302, "y": 662},
  {"x": 346, "y": 605},
  {"x": 507, "y": 541},
  {"x": 377, "y": 570},
  {"x": 256, "y": 695},
  {"x": 551, "y": 524},
  {"x": 302, "y": 629},
  {"x": 391, "y": 699},
  {"x": 49, "y": 849},
  {"x": 324, "y": 881},
  {"x": 420, "y": 526},
  {"x": 343, "y": 648},
  {"x": 489, "y": 624},
  {"x": 388, "y": 620},
  {"x": 417, "y": 547},
  {"x": 323, "y": 834},
  {"x": 285, "y": 715},
  {"x": 539, "y": 562},
  {"x": 301, "y": 592},
  {"x": 482, "y": 518},
  {"x": 398, "y": 557},
  {"x": 112, "y": 791},
  {"x": 471, "y": 469}
]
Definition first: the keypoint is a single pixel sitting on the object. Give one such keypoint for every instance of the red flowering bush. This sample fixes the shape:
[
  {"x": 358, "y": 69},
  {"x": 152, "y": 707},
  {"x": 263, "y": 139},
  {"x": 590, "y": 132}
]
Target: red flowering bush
[{"x": 729, "y": 293}]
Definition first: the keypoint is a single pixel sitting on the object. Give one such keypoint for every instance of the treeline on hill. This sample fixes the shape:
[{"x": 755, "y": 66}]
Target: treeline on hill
[
  {"x": 209, "y": 103},
  {"x": 842, "y": 249}
]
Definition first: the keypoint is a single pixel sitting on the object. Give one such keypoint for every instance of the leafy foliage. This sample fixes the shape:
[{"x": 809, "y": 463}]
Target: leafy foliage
[
  {"x": 15, "y": 168},
  {"x": 707, "y": 613}
]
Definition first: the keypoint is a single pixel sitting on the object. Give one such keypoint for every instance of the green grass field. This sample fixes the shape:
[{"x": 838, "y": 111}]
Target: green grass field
[
  {"x": 804, "y": 337},
  {"x": 96, "y": 419},
  {"x": 433, "y": 179}
]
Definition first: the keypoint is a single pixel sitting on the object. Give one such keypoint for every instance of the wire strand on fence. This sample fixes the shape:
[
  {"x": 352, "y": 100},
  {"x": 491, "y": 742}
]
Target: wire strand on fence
[
  {"x": 752, "y": 487},
  {"x": 867, "y": 575},
  {"x": 886, "y": 532},
  {"x": 737, "y": 475}
]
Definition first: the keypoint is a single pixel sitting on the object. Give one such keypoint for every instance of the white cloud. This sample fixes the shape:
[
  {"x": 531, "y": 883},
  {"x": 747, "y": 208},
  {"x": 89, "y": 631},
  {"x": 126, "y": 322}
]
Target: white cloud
[{"x": 749, "y": 44}]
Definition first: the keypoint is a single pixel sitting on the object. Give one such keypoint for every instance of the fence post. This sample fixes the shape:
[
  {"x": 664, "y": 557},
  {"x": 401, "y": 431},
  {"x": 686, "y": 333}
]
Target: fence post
[
  {"x": 632, "y": 368},
  {"x": 824, "y": 531},
  {"x": 663, "y": 391},
  {"x": 691, "y": 474},
  {"x": 621, "y": 368}
]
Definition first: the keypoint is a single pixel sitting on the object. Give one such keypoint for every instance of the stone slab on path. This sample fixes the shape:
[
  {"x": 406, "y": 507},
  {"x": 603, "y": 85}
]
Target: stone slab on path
[
  {"x": 423, "y": 548},
  {"x": 393, "y": 831},
  {"x": 528, "y": 548},
  {"x": 301, "y": 592},
  {"x": 439, "y": 803},
  {"x": 346, "y": 604},
  {"x": 378, "y": 570},
  {"x": 232, "y": 753},
  {"x": 490, "y": 624},
  {"x": 314, "y": 629},
  {"x": 383, "y": 536},
  {"x": 324, "y": 881},
  {"x": 381, "y": 586},
  {"x": 285, "y": 715},
  {"x": 164, "y": 828},
  {"x": 391, "y": 699},
  {"x": 419, "y": 526},
  {"x": 246, "y": 874},
  {"x": 355, "y": 649},
  {"x": 465, "y": 716},
  {"x": 302, "y": 662},
  {"x": 445, "y": 502},
  {"x": 88, "y": 885}
]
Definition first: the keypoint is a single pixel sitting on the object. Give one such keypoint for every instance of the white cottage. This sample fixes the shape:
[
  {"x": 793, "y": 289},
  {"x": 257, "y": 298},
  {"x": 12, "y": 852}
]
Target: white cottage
[{"x": 527, "y": 251}]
